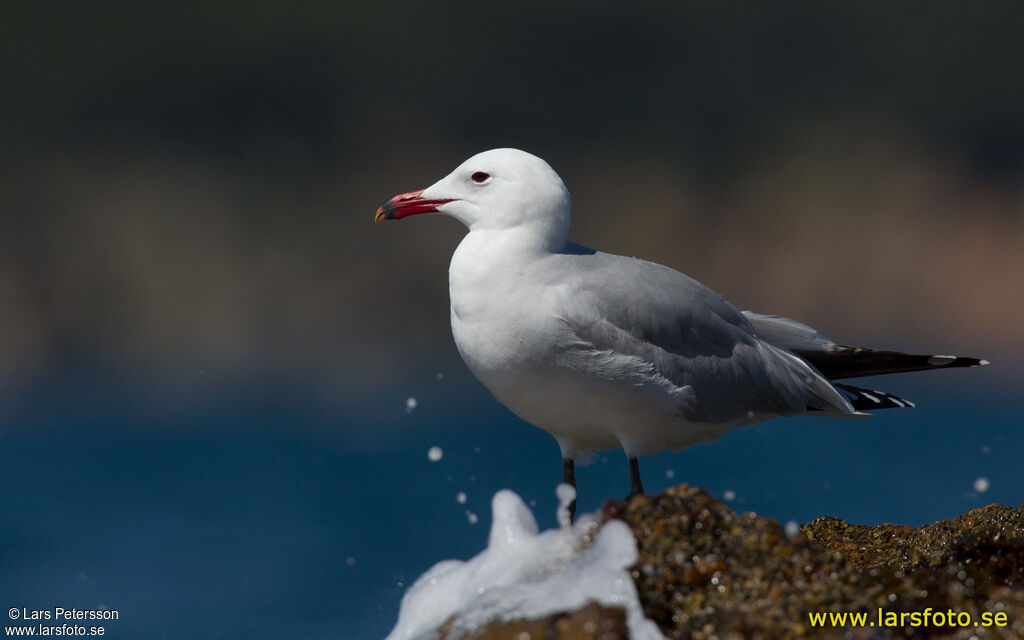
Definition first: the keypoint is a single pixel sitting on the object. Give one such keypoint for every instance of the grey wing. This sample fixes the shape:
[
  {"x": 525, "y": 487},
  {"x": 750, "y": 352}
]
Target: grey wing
[
  {"x": 787, "y": 333},
  {"x": 689, "y": 335}
]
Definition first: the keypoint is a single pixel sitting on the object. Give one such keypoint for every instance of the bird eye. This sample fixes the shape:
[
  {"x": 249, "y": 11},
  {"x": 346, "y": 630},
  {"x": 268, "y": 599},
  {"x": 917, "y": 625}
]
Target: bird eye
[{"x": 480, "y": 177}]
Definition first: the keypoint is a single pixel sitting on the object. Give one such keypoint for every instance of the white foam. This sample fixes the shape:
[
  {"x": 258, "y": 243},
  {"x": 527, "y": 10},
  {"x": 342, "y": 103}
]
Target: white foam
[
  {"x": 566, "y": 496},
  {"x": 981, "y": 485},
  {"x": 410, "y": 404},
  {"x": 525, "y": 574},
  {"x": 435, "y": 453}
]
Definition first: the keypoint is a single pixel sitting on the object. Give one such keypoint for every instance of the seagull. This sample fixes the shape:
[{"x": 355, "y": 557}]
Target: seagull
[{"x": 605, "y": 351}]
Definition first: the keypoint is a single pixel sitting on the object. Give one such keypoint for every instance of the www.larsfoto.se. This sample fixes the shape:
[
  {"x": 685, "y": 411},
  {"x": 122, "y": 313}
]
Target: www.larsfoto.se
[{"x": 927, "y": 618}]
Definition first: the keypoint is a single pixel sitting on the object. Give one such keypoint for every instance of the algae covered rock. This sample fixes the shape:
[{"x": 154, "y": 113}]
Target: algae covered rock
[
  {"x": 592, "y": 622},
  {"x": 705, "y": 571},
  {"x": 989, "y": 539}
]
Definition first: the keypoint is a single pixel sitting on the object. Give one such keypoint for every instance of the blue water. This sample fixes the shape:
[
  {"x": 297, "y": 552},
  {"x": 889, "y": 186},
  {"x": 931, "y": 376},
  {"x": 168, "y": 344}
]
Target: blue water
[{"x": 269, "y": 512}]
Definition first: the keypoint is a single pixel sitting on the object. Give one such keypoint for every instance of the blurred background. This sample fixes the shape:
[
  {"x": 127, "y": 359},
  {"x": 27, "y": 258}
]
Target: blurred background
[{"x": 219, "y": 380}]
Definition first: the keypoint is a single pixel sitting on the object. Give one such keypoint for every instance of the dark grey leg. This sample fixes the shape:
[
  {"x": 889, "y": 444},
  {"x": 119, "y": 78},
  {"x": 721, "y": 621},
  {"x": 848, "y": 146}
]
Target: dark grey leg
[
  {"x": 569, "y": 478},
  {"x": 636, "y": 485}
]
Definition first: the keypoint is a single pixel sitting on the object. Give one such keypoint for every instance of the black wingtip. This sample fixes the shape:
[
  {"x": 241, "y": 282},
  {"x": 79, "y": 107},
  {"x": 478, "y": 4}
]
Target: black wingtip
[
  {"x": 851, "y": 362},
  {"x": 943, "y": 362},
  {"x": 869, "y": 399}
]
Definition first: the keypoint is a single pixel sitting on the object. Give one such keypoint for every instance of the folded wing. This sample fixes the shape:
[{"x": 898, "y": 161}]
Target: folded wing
[{"x": 625, "y": 309}]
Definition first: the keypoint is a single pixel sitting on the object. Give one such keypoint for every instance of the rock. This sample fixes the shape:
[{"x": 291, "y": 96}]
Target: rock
[
  {"x": 705, "y": 571},
  {"x": 989, "y": 538},
  {"x": 592, "y": 622}
]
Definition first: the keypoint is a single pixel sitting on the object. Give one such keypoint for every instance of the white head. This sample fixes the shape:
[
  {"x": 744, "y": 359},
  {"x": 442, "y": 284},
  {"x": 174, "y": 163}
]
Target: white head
[{"x": 500, "y": 189}]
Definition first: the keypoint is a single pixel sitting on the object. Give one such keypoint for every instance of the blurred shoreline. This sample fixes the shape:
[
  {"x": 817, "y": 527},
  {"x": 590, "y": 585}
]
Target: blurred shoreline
[
  {"x": 174, "y": 265},
  {"x": 192, "y": 190}
]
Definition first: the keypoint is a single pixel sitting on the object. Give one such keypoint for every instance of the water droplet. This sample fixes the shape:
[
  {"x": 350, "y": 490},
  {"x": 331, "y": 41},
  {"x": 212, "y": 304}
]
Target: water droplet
[
  {"x": 435, "y": 453},
  {"x": 981, "y": 484}
]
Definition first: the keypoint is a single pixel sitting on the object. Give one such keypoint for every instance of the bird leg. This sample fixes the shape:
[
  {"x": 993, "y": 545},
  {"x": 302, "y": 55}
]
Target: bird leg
[
  {"x": 636, "y": 485},
  {"x": 569, "y": 478}
]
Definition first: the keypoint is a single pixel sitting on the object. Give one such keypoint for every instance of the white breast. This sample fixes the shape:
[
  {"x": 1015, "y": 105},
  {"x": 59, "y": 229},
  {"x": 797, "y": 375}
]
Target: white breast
[{"x": 493, "y": 308}]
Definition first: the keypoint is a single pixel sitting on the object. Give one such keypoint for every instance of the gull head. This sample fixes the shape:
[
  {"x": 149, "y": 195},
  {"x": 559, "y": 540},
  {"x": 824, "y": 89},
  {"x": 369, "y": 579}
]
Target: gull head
[{"x": 500, "y": 189}]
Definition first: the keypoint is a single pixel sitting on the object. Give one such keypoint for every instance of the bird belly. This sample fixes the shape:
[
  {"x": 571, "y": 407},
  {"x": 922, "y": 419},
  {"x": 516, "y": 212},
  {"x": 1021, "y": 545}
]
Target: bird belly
[{"x": 587, "y": 415}]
